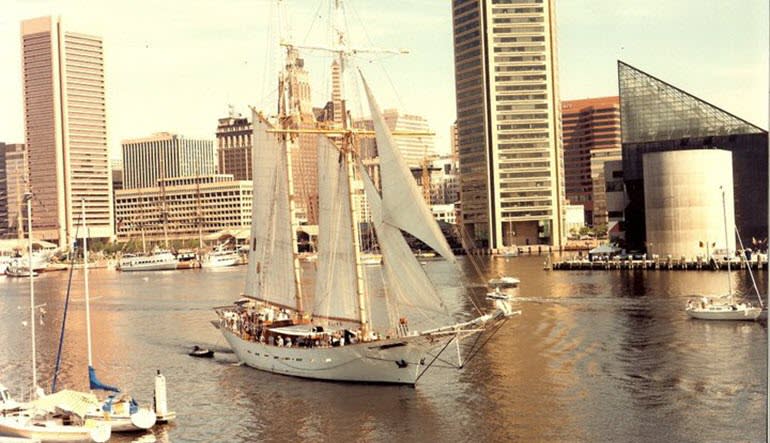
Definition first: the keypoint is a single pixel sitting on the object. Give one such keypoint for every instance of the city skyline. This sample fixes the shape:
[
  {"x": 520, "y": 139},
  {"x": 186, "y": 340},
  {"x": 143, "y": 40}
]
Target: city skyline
[{"x": 221, "y": 57}]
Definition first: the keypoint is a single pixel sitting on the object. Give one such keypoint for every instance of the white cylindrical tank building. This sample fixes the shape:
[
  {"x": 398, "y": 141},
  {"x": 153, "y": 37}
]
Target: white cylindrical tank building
[{"x": 683, "y": 202}]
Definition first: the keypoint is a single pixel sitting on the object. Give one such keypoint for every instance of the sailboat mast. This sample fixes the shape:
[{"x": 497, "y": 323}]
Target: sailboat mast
[
  {"x": 287, "y": 143},
  {"x": 200, "y": 210},
  {"x": 19, "y": 219},
  {"x": 363, "y": 311},
  {"x": 85, "y": 281},
  {"x": 28, "y": 200},
  {"x": 141, "y": 224},
  {"x": 727, "y": 246},
  {"x": 163, "y": 213}
]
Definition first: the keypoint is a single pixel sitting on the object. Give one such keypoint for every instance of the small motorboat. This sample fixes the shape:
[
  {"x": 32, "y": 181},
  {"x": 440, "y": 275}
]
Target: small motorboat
[
  {"x": 14, "y": 271},
  {"x": 498, "y": 295},
  {"x": 504, "y": 282},
  {"x": 197, "y": 351}
]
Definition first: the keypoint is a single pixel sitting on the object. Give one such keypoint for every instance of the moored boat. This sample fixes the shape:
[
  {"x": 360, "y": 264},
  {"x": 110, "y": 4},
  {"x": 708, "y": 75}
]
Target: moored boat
[
  {"x": 187, "y": 260},
  {"x": 220, "y": 258},
  {"x": 726, "y": 307},
  {"x": 157, "y": 260},
  {"x": 504, "y": 282}
]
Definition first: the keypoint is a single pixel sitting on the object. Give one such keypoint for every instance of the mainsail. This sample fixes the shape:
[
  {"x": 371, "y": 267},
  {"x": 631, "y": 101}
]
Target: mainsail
[
  {"x": 402, "y": 204},
  {"x": 404, "y": 275},
  {"x": 271, "y": 254},
  {"x": 335, "y": 294}
]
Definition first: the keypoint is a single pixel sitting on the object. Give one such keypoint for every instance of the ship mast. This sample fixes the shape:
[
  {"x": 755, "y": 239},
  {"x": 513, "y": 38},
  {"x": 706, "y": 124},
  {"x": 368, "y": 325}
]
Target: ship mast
[
  {"x": 341, "y": 52},
  {"x": 288, "y": 118}
]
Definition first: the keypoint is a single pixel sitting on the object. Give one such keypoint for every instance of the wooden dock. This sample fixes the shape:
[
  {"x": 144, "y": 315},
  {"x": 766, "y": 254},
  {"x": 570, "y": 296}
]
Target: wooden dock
[{"x": 658, "y": 264}]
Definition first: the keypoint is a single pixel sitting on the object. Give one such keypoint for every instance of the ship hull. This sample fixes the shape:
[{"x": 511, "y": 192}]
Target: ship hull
[
  {"x": 396, "y": 361},
  {"x": 157, "y": 266}
]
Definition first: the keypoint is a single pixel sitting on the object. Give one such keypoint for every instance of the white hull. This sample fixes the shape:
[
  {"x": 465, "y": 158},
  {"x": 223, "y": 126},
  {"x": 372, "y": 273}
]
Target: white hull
[
  {"x": 397, "y": 360},
  {"x": 51, "y": 431},
  {"x": 140, "y": 421},
  {"x": 724, "y": 313},
  {"x": 147, "y": 265},
  {"x": 220, "y": 261}
]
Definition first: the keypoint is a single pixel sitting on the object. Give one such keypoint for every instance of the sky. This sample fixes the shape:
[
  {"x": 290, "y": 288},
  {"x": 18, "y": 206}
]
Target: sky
[{"x": 177, "y": 65}]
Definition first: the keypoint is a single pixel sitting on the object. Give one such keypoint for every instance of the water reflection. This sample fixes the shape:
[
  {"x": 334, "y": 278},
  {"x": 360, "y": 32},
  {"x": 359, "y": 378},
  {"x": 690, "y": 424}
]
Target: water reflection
[{"x": 595, "y": 356}]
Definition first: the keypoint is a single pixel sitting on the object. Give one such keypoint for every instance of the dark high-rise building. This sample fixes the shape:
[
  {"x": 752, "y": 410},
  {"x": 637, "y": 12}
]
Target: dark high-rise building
[
  {"x": 234, "y": 146},
  {"x": 591, "y": 133},
  {"x": 656, "y": 117}
]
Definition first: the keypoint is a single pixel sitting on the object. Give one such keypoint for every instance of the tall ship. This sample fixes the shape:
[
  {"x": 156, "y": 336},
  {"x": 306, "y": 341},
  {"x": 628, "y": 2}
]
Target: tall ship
[{"x": 342, "y": 332}]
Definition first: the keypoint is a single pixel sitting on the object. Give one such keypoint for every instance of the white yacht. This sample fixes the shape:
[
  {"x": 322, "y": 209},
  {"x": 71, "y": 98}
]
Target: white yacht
[
  {"x": 220, "y": 258},
  {"x": 721, "y": 308},
  {"x": 157, "y": 260},
  {"x": 724, "y": 307}
]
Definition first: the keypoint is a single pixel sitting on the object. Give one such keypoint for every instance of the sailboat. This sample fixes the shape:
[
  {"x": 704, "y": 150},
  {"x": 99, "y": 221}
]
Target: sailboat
[
  {"x": 121, "y": 414},
  {"x": 41, "y": 419},
  {"x": 335, "y": 337},
  {"x": 725, "y": 307}
]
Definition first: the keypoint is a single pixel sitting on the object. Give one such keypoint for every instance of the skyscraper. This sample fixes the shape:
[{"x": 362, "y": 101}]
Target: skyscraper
[
  {"x": 591, "y": 134},
  {"x": 508, "y": 122},
  {"x": 65, "y": 130},
  {"x": 304, "y": 159},
  {"x": 162, "y": 156}
]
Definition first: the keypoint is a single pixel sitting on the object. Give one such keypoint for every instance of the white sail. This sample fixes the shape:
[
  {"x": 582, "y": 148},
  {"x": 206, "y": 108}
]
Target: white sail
[
  {"x": 271, "y": 269},
  {"x": 402, "y": 203},
  {"x": 404, "y": 275},
  {"x": 335, "y": 294}
]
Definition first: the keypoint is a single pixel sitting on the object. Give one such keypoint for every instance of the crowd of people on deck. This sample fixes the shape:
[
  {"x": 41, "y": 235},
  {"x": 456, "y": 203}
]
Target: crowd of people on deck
[{"x": 261, "y": 324}]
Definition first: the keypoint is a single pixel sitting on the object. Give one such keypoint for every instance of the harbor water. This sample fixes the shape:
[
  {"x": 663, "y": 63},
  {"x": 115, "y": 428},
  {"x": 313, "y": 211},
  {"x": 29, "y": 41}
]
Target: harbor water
[{"x": 595, "y": 356}]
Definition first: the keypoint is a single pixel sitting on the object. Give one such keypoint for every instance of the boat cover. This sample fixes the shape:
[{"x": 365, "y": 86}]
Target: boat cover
[{"x": 69, "y": 401}]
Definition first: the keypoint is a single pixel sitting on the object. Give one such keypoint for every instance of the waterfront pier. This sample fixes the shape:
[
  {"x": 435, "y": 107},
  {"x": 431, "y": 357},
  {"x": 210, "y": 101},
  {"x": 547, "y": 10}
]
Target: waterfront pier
[{"x": 658, "y": 264}]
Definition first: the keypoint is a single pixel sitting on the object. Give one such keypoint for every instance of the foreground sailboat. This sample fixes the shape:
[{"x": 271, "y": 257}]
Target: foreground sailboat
[
  {"x": 55, "y": 417},
  {"x": 337, "y": 336},
  {"x": 725, "y": 307},
  {"x": 121, "y": 414}
]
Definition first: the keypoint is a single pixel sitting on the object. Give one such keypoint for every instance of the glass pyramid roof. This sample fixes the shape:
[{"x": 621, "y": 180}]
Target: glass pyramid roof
[{"x": 653, "y": 110}]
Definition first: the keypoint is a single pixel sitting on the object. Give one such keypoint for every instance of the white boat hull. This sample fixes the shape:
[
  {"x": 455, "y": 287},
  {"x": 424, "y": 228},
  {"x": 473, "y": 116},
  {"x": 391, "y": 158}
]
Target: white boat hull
[
  {"x": 398, "y": 360},
  {"x": 721, "y": 313},
  {"x": 220, "y": 262},
  {"x": 51, "y": 431},
  {"x": 141, "y": 420},
  {"x": 161, "y": 266}
]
